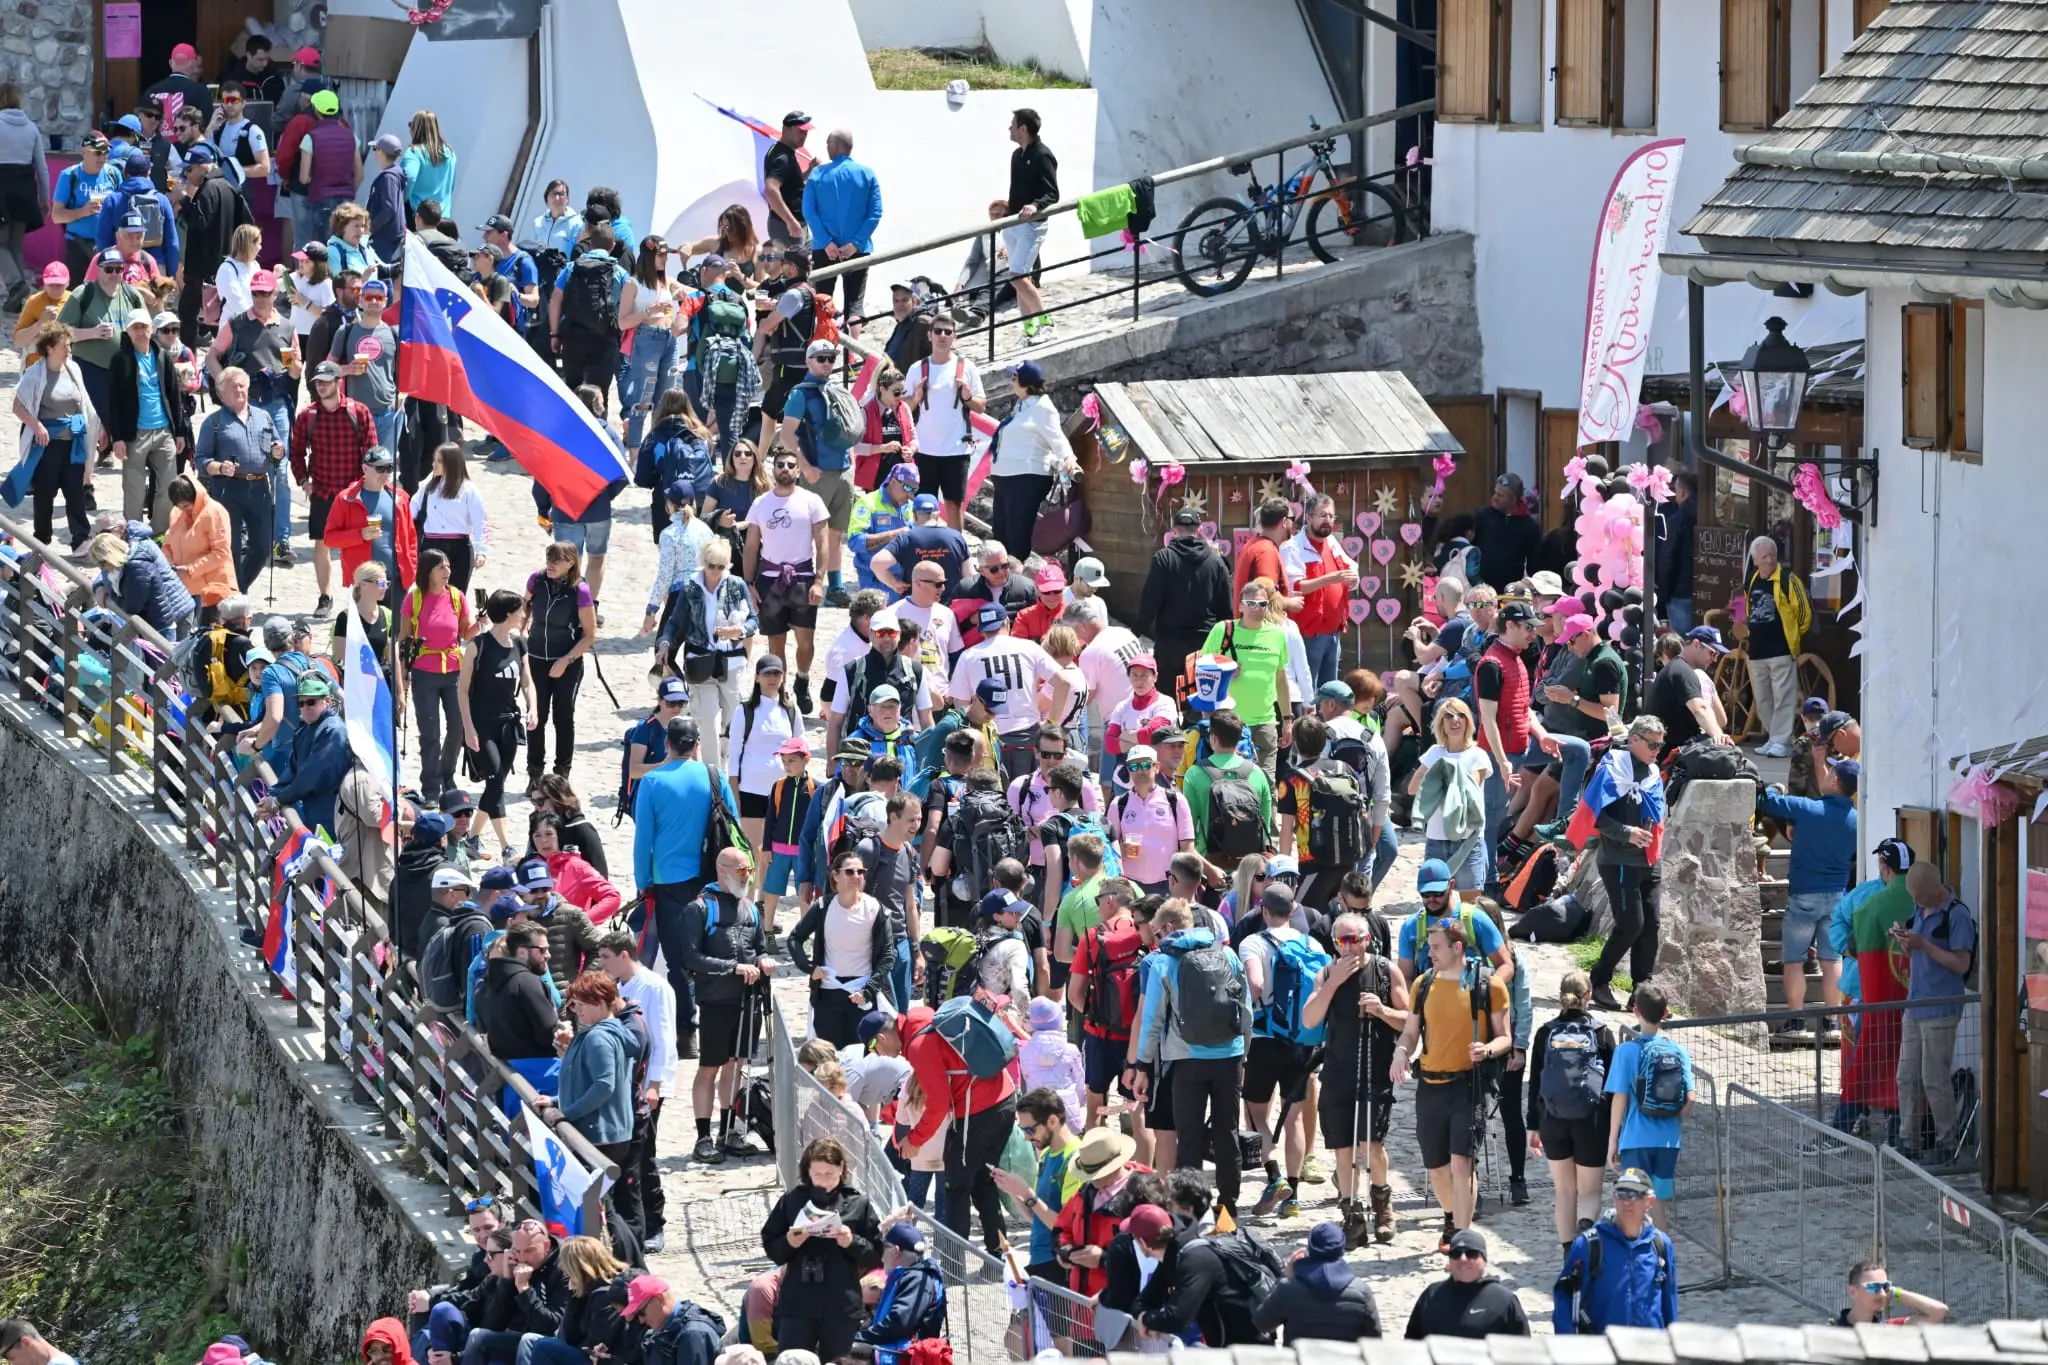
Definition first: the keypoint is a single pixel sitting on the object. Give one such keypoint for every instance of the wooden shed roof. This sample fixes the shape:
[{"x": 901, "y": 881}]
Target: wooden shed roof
[{"x": 1357, "y": 415}]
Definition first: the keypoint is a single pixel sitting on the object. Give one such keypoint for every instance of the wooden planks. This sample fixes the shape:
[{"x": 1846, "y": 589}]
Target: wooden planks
[{"x": 1277, "y": 419}]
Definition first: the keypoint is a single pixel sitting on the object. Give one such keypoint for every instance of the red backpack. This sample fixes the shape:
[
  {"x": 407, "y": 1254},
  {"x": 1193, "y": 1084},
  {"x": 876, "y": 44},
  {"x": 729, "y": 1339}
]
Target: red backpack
[
  {"x": 826, "y": 327},
  {"x": 1113, "y": 979}
]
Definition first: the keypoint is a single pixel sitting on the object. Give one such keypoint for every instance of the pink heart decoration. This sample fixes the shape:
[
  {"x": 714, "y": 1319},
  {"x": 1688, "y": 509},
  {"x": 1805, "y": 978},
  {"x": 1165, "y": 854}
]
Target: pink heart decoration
[
  {"x": 1368, "y": 585},
  {"x": 1353, "y": 546},
  {"x": 1361, "y": 611},
  {"x": 1368, "y": 522},
  {"x": 1383, "y": 551},
  {"x": 1389, "y": 608},
  {"x": 1208, "y": 530},
  {"x": 1411, "y": 532}
]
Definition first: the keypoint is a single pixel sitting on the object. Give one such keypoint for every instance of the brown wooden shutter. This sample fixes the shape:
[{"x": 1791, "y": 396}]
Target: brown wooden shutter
[
  {"x": 1471, "y": 420},
  {"x": 1965, "y": 353},
  {"x": 1465, "y": 84},
  {"x": 1747, "y": 64},
  {"x": 1924, "y": 360},
  {"x": 1560, "y": 434},
  {"x": 1867, "y": 12},
  {"x": 1921, "y": 829},
  {"x": 1582, "y": 63}
]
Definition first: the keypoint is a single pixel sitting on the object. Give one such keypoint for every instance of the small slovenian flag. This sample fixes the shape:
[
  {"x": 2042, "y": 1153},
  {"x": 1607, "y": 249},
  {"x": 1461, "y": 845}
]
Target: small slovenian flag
[
  {"x": 454, "y": 352},
  {"x": 1614, "y": 779},
  {"x": 277, "y": 935},
  {"x": 372, "y": 729},
  {"x": 561, "y": 1179}
]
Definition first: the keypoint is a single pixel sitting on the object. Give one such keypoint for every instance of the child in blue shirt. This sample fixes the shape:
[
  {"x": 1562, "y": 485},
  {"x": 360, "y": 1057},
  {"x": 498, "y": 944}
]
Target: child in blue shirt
[{"x": 1648, "y": 1072}]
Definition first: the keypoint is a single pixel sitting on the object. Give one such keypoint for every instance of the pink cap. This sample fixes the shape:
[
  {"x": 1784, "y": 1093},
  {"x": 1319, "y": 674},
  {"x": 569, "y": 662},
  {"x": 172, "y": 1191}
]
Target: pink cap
[
  {"x": 1051, "y": 578},
  {"x": 56, "y": 272},
  {"x": 795, "y": 744},
  {"x": 263, "y": 282},
  {"x": 184, "y": 52},
  {"x": 1142, "y": 661},
  {"x": 642, "y": 1289},
  {"x": 308, "y": 57},
  {"x": 1573, "y": 626}
]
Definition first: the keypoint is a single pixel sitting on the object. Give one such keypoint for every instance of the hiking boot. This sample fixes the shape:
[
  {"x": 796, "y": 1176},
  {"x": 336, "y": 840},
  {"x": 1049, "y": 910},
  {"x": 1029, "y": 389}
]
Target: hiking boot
[
  {"x": 736, "y": 1143},
  {"x": 325, "y": 606},
  {"x": 1443, "y": 1239},
  {"x": 652, "y": 1243},
  {"x": 803, "y": 694},
  {"x": 1313, "y": 1171},
  {"x": 1383, "y": 1213},
  {"x": 1276, "y": 1191},
  {"x": 707, "y": 1150},
  {"x": 1603, "y": 998},
  {"x": 281, "y": 555},
  {"x": 1290, "y": 1207},
  {"x": 838, "y": 597},
  {"x": 1551, "y": 831},
  {"x": 1518, "y": 1190},
  {"x": 1357, "y": 1232}
]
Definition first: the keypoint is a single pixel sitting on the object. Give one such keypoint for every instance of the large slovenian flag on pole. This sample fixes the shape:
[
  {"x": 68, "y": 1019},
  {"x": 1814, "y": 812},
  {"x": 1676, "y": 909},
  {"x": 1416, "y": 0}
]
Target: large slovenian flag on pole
[{"x": 464, "y": 356}]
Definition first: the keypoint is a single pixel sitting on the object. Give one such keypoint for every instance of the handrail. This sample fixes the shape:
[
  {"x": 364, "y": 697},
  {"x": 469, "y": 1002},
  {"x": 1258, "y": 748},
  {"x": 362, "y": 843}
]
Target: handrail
[
  {"x": 442, "y": 1094},
  {"x": 1162, "y": 178}
]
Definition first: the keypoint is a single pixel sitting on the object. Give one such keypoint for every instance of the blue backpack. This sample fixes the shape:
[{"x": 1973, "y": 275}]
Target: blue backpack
[
  {"x": 1660, "y": 1078},
  {"x": 971, "y": 1029},
  {"x": 679, "y": 455},
  {"x": 1297, "y": 964}
]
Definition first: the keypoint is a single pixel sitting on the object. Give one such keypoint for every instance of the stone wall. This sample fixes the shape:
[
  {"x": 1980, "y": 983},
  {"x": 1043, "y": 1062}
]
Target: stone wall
[
  {"x": 297, "y": 1185},
  {"x": 1710, "y": 913}
]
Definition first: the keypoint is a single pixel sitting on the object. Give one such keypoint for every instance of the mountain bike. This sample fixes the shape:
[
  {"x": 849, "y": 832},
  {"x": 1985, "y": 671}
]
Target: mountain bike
[{"x": 1220, "y": 240}]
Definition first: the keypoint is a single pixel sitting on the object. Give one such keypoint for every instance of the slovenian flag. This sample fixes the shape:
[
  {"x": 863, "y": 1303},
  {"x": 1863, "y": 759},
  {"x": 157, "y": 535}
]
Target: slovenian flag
[
  {"x": 456, "y": 351},
  {"x": 1614, "y": 779},
  {"x": 372, "y": 725},
  {"x": 277, "y": 935},
  {"x": 764, "y": 134},
  {"x": 561, "y": 1179}
]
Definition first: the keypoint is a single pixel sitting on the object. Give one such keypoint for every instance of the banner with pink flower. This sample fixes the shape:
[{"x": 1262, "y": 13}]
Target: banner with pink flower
[{"x": 1621, "y": 295}]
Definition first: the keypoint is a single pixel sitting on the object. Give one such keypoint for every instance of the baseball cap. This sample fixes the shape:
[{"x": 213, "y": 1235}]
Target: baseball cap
[
  {"x": 1334, "y": 691},
  {"x": 56, "y": 272},
  {"x": 1050, "y": 578},
  {"x": 1028, "y": 372},
  {"x": 796, "y": 118},
  {"x": 678, "y": 493},
  {"x": 924, "y": 502},
  {"x": 376, "y": 286},
  {"x": 1573, "y": 626},
  {"x": 1276, "y": 900},
  {"x": 904, "y": 1237},
  {"x": 1147, "y": 1223},
  {"x": 163, "y": 320},
  {"x": 130, "y": 122},
  {"x": 1848, "y": 773},
  {"x": 991, "y": 618},
  {"x": 1708, "y": 636},
  {"x": 683, "y": 732},
  {"x": 1142, "y": 661},
  {"x": 308, "y": 57},
  {"x": 1833, "y": 721},
  {"x": 497, "y": 222},
  {"x": 795, "y": 744},
  {"x": 1814, "y": 706},
  {"x": 311, "y": 251},
  {"x": 184, "y": 52},
  {"x": 139, "y": 318},
  {"x": 1470, "y": 1239},
  {"x": 642, "y": 1289},
  {"x": 1433, "y": 876},
  {"x": 1187, "y": 516},
  {"x": 136, "y": 163},
  {"x": 455, "y": 801},
  {"x": 1632, "y": 1179},
  {"x": 533, "y": 875},
  {"x": 768, "y": 663},
  {"x": 377, "y": 457},
  {"x": 883, "y": 694},
  {"x": 1546, "y": 583},
  {"x": 672, "y": 692},
  {"x": 326, "y": 102},
  {"x": 132, "y": 223},
  {"x": 853, "y": 749},
  {"x": 870, "y": 1027},
  {"x": 390, "y": 144},
  {"x": 1895, "y": 854},
  {"x": 447, "y": 876},
  {"x": 1089, "y": 570},
  {"x": 1164, "y": 732},
  {"x": 94, "y": 141},
  {"x": 905, "y": 474},
  {"x": 999, "y": 901},
  {"x": 263, "y": 282},
  {"x": 822, "y": 350},
  {"x": 328, "y": 371},
  {"x": 497, "y": 879},
  {"x": 1142, "y": 753},
  {"x": 432, "y": 825},
  {"x": 1283, "y": 865},
  {"x": 492, "y": 250},
  {"x": 993, "y": 693},
  {"x": 314, "y": 685},
  {"x": 886, "y": 621},
  {"x": 1517, "y": 613}
]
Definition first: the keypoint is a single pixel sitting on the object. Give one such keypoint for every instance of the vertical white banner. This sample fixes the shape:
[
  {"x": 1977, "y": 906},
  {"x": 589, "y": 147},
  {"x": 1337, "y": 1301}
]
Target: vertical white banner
[{"x": 1621, "y": 295}]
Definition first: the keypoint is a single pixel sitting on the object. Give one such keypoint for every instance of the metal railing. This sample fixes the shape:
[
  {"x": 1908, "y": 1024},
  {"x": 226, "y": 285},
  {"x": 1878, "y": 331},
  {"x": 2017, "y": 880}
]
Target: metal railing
[
  {"x": 1402, "y": 186},
  {"x": 1800, "y": 1201},
  {"x": 108, "y": 683}
]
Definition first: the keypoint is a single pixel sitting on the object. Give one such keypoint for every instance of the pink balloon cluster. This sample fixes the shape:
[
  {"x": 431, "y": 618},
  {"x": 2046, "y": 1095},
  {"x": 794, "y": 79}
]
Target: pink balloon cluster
[{"x": 1610, "y": 532}]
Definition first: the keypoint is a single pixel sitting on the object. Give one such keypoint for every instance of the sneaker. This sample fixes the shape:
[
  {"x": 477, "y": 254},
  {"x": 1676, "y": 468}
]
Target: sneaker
[
  {"x": 1603, "y": 998},
  {"x": 1290, "y": 1207},
  {"x": 1443, "y": 1240},
  {"x": 1276, "y": 1191},
  {"x": 1518, "y": 1191},
  {"x": 498, "y": 455},
  {"x": 736, "y": 1143},
  {"x": 1551, "y": 831},
  {"x": 1039, "y": 335},
  {"x": 803, "y": 695},
  {"x": 838, "y": 597},
  {"x": 281, "y": 555},
  {"x": 1585, "y": 1225},
  {"x": 325, "y": 606},
  {"x": 707, "y": 1150},
  {"x": 653, "y": 1242},
  {"x": 1772, "y": 749},
  {"x": 1313, "y": 1171}
]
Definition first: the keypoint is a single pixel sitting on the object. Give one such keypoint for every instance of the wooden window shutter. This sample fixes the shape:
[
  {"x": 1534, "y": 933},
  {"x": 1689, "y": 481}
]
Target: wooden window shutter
[
  {"x": 1583, "y": 66},
  {"x": 1924, "y": 360},
  {"x": 1748, "y": 62},
  {"x": 1867, "y": 12},
  {"x": 1465, "y": 78},
  {"x": 1966, "y": 379}
]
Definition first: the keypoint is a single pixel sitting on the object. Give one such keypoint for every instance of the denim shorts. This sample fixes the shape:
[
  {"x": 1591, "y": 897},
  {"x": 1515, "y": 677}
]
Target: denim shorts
[
  {"x": 1658, "y": 1163},
  {"x": 591, "y": 537},
  {"x": 1472, "y": 875},
  {"x": 1805, "y": 926},
  {"x": 780, "y": 874}
]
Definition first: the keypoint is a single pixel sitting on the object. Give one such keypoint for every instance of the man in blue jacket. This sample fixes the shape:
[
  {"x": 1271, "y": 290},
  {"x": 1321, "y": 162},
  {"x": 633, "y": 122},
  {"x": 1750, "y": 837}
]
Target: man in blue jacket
[
  {"x": 1620, "y": 1272},
  {"x": 137, "y": 195},
  {"x": 671, "y": 811},
  {"x": 1194, "y": 1017},
  {"x": 913, "y": 1303},
  {"x": 843, "y": 205},
  {"x": 320, "y": 758},
  {"x": 1823, "y": 861}
]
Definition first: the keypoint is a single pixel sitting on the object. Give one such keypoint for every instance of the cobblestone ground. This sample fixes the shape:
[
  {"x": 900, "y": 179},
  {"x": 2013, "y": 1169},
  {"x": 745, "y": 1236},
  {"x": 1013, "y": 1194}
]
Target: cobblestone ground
[{"x": 715, "y": 1212}]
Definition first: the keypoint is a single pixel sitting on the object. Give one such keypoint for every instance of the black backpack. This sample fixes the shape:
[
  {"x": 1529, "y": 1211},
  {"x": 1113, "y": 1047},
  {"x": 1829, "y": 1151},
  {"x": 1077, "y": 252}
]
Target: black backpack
[
  {"x": 1209, "y": 994},
  {"x": 1574, "y": 1078},
  {"x": 590, "y": 303},
  {"x": 985, "y": 831},
  {"x": 453, "y": 258},
  {"x": 1251, "y": 1270},
  {"x": 1237, "y": 827},
  {"x": 444, "y": 965},
  {"x": 1702, "y": 760},
  {"x": 1560, "y": 919},
  {"x": 1336, "y": 814}
]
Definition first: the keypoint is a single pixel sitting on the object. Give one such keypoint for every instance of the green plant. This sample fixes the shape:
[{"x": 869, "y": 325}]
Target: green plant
[
  {"x": 1586, "y": 951},
  {"x": 99, "y": 1241},
  {"x": 933, "y": 68}
]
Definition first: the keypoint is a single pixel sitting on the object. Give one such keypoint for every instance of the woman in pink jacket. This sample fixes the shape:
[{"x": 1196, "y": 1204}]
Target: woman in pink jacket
[{"x": 576, "y": 881}]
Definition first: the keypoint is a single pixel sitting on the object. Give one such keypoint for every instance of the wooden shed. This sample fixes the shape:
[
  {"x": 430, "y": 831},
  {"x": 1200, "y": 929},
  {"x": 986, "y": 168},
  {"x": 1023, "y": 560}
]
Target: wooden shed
[{"x": 1370, "y": 442}]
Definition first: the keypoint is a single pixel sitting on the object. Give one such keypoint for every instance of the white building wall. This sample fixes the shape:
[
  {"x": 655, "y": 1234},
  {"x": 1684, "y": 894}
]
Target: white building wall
[
  {"x": 1531, "y": 198},
  {"x": 1951, "y": 663}
]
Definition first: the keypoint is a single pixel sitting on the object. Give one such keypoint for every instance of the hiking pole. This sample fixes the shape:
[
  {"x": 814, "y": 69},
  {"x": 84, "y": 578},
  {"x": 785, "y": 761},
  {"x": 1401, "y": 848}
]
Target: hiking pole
[
  {"x": 1361, "y": 1138},
  {"x": 597, "y": 667}
]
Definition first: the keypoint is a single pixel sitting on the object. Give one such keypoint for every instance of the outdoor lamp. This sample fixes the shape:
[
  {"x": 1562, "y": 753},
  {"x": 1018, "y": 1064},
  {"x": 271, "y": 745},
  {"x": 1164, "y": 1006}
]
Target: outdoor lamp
[{"x": 1773, "y": 376}]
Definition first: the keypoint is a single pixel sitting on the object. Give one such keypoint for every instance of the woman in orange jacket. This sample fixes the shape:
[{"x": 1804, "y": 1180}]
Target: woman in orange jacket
[{"x": 198, "y": 545}]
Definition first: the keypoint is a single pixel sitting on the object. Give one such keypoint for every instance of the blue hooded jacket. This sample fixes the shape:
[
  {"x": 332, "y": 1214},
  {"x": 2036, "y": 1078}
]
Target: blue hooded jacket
[
  {"x": 319, "y": 762},
  {"x": 597, "y": 1080},
  {"x": 115, "y": 207},
  {"x": 1637, "y": 1287},
  {"x": 446, "y": 1330},
  {"x": 1159, "y": 1015},
  {"x": 1823, "y": 844},
  {"x": 149, "y": 587}
]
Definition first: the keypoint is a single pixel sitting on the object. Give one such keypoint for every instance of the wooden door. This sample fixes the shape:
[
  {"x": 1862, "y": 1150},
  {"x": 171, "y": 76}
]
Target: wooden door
[
  {"x": 2001, "y": 919},
  {"x": 1471, "y": 420},
  {"x": 1920, "y": 828},
  {"x": 1559, "y": 443}
]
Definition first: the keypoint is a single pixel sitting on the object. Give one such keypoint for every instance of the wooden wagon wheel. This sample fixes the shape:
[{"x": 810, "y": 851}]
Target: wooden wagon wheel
[
  {"x": 1731, "y": 681},
  {"x": 1816, "y": 679}
]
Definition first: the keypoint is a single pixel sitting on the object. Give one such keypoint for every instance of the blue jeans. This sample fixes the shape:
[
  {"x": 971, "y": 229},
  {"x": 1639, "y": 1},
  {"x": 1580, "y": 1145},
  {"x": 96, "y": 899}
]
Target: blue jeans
[
  {"x": 648, "y": 374},
  {"x": 1322, "y": 659},
  {"x": 539, "y": 1350},
  {"x": 670, "y": 900},
  {"x": 1383, "y": 855},
  {"x": 1575, "y": 756},
  {"x": 1679, "y": 612},
  {"x": 312, "y": 218},
  {"x": 900, "y": 974},
  {"x": 1469, "y": 875},
  {"x": 250, "y": 524},
  {"x": 1496, "y": 823},
  {"x": 390, "y": 428},
  {"x": 280, "y": 410},
  {"x": 918, "y": 1184},
  {"x": 484, "y": 1346}
]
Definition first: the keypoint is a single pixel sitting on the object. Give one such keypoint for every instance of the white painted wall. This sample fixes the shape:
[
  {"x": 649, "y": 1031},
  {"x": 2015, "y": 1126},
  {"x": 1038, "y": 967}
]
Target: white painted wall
[
  {"x": 1531, "y": 198},
  {"x": 1948, "y": 665},
  {"x": 484, "y": 126}
]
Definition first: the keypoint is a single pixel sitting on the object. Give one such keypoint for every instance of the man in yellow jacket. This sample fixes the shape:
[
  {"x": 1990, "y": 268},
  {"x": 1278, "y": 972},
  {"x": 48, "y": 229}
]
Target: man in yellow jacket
[{"x": 1779, "y": 614}]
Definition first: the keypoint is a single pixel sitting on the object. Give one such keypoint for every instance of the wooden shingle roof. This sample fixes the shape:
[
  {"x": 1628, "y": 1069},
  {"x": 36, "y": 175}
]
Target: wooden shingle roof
[
  {"x": 1929, "y": 76},
  {"x": 1276, "y": 419}
]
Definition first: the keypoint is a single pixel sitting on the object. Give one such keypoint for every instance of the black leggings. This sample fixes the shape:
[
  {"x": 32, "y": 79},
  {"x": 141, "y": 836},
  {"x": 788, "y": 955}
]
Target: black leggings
[
  {"x": 1632, "y": 896},
  {"x": 499, "y": 738},
  {"x": 1513, "y": 1127},
  {"x": 1206, "y": 1091},
  {"x": 831, "y": 1336},
  {"x": 55, "y": 473},
  {"x": 557, "y": 697},
  {"x": 461, "y": 558},
  {"x": 971, "y": 1148}
]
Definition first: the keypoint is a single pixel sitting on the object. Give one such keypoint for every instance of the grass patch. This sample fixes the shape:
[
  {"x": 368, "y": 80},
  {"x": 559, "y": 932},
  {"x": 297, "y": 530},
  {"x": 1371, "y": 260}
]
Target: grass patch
[
  {"x": 1586, "y": 951},
  {"x": 99, "y": 1242},
  {"x": 933, "y": 68}
]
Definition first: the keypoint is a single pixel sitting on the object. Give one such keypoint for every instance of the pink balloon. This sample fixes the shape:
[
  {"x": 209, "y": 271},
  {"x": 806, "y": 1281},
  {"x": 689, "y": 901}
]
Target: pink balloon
[
  {"x": 1383, "y": 551},
  {"x": 1614, "y": 629},
  {"x": 1388, "y": 608},
  {"x": 1411, "y": 532},
  {"x": 1361, "y": 611},
  {"x": 1368, "y": 522},
  {"x": 1294, "y": 510},
  {"x": 1354, "y": 547},
  {"x": 1368, "y": 585}
]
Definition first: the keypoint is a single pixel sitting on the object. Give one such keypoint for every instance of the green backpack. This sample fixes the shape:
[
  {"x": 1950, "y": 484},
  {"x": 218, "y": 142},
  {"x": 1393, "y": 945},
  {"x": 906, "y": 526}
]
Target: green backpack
[
  {"x": 946, "y": 950},
  {"x": 721, "y": 316}
]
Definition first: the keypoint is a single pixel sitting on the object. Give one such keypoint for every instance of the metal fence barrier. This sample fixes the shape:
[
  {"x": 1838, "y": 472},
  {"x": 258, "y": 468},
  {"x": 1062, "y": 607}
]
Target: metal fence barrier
[
  {"x": 1801, "y": 1200},
  {"x": 1943, "y": 1243},
  {"x": 2028, "y": 1256},
  {"x": 106, "y": 680}
]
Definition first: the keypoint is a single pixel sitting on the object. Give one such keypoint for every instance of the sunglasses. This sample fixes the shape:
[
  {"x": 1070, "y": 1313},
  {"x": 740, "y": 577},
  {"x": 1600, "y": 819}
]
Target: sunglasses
[
  {"x": 1877, "y": 1286},
  {"x": 1051, "y": 756},
  {"x": 478, "y": 1205},
  {"x": 1628, "y": 1196},
  {"x": 943, "y": 332},
  {"x": 1003, "y": 569},
  {"x": 883, "y": 630},
  {"x": 1350, "y": 938},
  {"x": 1465, "y": 1254},
  {"x": 1258, "y": 602},
  {"x": 230, "y": 99},
  {"x": 1141, "y": 765},
  {"x": 853, "y": 872},
  {"x": 112, "y": 269},
  {"x": 928, "y": 582},
  {"x": 305, "y": 702}
]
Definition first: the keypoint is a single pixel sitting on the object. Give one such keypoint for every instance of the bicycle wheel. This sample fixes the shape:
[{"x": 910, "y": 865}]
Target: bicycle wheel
[
  {"x": 1816, "y": 679},
  {"x": 1731, "y": 680},
  {"x": 1215, "y": 246},
  {"x": 1376, "y": 218}
]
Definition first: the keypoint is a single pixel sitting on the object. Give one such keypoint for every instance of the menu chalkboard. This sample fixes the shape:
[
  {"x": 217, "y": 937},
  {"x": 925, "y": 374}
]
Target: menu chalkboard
[{"x": 1718, "y": 555}]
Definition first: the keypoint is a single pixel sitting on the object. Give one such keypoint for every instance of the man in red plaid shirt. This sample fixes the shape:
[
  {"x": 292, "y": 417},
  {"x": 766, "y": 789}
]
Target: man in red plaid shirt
[{"x": 329, "y": 440}]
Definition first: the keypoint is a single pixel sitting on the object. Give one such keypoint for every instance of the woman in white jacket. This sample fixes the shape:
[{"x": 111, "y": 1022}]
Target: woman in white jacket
[
  {"x": 1031, "y": 451},
  {"x": 753, "y": 734}
]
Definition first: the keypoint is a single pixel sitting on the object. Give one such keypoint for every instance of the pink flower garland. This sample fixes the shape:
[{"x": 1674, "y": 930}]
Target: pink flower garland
[{"x": 1812, "y": 493}]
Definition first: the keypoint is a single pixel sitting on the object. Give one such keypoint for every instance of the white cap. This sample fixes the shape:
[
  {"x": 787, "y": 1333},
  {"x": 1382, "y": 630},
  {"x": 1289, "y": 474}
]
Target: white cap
[
  {"x": 449, "y": 875},
  {"x": 138, "y": 318},
  {"x": 1091, "y": 572},
  {"x": 1144, "y": 751},
  {"x": 827, "y": 349},
  {"x": 886, "y": 619}
]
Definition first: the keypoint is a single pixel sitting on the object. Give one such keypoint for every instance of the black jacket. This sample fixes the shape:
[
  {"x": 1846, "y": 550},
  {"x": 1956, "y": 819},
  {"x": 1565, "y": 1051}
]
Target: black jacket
[
  {"x": 1479, "y": 1309},
  {"x": 1186, "y": 592},
  {"x": 1034, "y": 176},
  {"x": 518, "y": 1015},
  {"x": 1185, "y": 1288},
  {"x": 1308, "y": 1312},
  {"x": 1676, "y": 522},
  {"x": 412, "y": 896},
  {"x": 594, "y": 1318},
  {"x": 124, "y": 399},
  {"x": 820, "y": 1278},
  {"x": 546, "y": 1296},
  {"x": 209, "y": 219},
  {"x": 808, "y": 938},
  {"x": 711, "y": 952},
  {"x": 493, "y": 1305},
  {"x": 1507, "y": 545}
]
